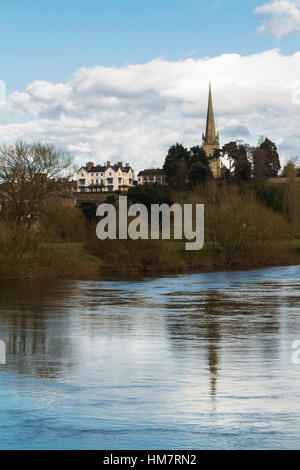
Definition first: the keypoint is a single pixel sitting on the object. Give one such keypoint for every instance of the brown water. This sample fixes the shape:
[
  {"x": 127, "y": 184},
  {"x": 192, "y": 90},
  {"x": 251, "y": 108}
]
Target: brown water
[{"x": 190, "y": 361}]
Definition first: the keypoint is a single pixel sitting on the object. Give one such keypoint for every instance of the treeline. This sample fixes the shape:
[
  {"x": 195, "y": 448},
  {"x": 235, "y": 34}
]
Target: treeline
[{"x": 186, "y": 168}]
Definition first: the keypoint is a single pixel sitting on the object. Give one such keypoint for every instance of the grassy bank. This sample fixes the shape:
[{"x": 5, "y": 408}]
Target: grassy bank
[
  {"x": 241, "y": 231},
  {"x": 74, "y": 260},
  {"x": 51, "y": 260}
]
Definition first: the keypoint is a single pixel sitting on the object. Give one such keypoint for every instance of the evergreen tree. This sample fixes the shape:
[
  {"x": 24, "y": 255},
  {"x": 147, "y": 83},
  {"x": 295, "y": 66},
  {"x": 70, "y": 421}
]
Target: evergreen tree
[
  {"x": 176, "y": 166},
  {"x": 266, "y": 163},
  {"x": 183, "y": 166},
  {"x": 198, "y": 155},
  {"x": 242, "y": 165},
  {"x": 237, "y": 157},
  {"x": 199, "y": 173}
]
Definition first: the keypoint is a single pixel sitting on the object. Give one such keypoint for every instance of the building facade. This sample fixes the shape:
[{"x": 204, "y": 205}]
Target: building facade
[
  {"x": 151, "y": 175},
  {"x": 210, "y": 140},
  {"x": 104, "y": 178}
]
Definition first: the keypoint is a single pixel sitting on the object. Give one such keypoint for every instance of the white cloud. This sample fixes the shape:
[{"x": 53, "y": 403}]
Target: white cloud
[
  {"x": 134, "y": 113},
  {"x": 279, "y": 18}
]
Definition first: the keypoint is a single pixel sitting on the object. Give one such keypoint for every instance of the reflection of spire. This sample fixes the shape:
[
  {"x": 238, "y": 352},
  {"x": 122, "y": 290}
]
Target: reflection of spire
[
  {"x": 210, "y": 132},
  {"x": 213, "y": 335},
  {"x": 213, "y": 366}
]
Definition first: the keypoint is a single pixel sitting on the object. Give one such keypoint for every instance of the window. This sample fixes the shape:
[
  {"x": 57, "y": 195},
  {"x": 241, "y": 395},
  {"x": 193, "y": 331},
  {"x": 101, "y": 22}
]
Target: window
[
  {"x": 109, "y": 180},
  {"x": 82, "y": 181}
]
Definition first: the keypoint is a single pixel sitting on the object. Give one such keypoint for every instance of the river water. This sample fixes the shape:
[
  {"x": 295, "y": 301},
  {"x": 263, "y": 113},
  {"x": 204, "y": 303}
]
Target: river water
[{"x": 200, "y": 361}]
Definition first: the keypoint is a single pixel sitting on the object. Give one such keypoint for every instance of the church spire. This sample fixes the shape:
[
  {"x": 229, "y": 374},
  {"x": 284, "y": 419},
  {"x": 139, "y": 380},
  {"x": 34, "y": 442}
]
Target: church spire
[
  {"x": 210, "y": 132},
  {"x": 210, "y": 140}
]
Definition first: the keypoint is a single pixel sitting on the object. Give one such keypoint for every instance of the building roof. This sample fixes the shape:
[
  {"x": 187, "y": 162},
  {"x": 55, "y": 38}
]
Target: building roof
[
  {"x": 103, "y": 168},
  {"x": 152, "y": 172},
  {"x": 283, "y": 179}
]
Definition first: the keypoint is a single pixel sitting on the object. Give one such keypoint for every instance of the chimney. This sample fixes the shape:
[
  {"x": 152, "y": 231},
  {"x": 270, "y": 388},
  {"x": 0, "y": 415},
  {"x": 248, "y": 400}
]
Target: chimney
[
  {"x": 127, "y": 165},
  {"x": 120, "y": 164},
  {"x": 90, "y": 165},
  {"x": 107, "y": 163}
]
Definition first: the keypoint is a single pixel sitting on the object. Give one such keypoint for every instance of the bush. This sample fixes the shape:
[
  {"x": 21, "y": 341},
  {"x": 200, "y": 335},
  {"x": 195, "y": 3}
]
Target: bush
[
  {"x": 148, "y": 194},
  {"x": 137, "y": 255},
  {"x": 238, "y": 228},
  {"x": 60, "y": 223},
  {"x": 111, "y": 199},
  {"x": 89, "y": 210},
  {"x": 16, "y": 239}
]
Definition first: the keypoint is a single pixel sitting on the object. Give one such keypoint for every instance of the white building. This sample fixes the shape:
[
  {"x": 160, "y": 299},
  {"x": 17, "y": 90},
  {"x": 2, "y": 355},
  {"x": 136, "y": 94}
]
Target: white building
[{"x": 106, "y": 178}]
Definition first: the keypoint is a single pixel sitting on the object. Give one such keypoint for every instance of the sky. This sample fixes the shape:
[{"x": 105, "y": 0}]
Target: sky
[{"x": 125, "y": 79}]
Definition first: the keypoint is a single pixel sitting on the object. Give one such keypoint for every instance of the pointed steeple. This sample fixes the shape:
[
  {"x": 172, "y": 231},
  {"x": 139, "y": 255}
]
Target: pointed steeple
[
  {"x": 210, "y": 140},
  {"x": 210, "y": 136}
]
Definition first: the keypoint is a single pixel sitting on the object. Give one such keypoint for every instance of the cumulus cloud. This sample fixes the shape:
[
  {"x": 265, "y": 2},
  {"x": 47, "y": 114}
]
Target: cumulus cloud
[
  {"x": 135, "y": 112},
  {"x": 279, "y": 18},
  {"x": 234, "y": 129}
]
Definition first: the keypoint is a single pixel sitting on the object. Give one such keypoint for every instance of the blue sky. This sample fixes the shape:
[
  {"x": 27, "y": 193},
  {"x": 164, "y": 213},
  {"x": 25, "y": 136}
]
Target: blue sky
[
  {"x": 48, "y": 40},
  {"x": 125, "y": 79}
]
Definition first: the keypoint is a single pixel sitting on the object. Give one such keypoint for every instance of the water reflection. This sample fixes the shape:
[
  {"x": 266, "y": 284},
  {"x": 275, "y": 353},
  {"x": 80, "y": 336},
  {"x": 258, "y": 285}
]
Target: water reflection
[
  {"x": 32, "y": 315},
  {"x": 186, "y": 361}
]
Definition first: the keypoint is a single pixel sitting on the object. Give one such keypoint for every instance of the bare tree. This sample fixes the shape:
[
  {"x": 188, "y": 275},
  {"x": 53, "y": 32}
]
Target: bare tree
[{"x": 29, "y": 173}]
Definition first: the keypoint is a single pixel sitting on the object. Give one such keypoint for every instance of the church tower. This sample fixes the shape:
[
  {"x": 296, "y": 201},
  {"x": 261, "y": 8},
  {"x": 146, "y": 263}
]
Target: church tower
[{"x": 210, "y": 141}]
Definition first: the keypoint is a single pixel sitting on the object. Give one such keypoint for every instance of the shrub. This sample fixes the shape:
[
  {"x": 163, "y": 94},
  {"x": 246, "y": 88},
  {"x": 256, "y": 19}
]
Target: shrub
[
  {"x": 148, "y": 194},
  {"x": 60, "y": 223}
]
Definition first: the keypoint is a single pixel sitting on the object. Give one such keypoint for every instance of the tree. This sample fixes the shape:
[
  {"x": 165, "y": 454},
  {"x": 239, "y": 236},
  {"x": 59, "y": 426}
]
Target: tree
[
  {"x": 175, "y": 153},
  {"x": 198, "y": 155},
  {"x": 183, "y": 166},
  {"x": 89, "y": 210},
  {"x": 148, "y": 194},
  {"x": 242, "y": 165},
  {"x": 200, "y": 170},
  {"x": 228, "y": 152},
  {"x": 176, "y": 166},
  {"x": 266, "y": 163},
  {"x": 29, "y": 173},
  {"x": 289, "y": 169},
  {"x": 199, "y": 173},
  {"x": 237, "y": 158}
]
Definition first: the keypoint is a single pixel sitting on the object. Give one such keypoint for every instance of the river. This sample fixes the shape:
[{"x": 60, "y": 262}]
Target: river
[{"x": 198, "y": 361}]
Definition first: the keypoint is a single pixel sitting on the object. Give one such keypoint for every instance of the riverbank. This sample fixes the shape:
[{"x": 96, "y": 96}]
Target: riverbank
[
  {"x": 140, "y": 257},
  {"x": 241, "y": 232}
]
